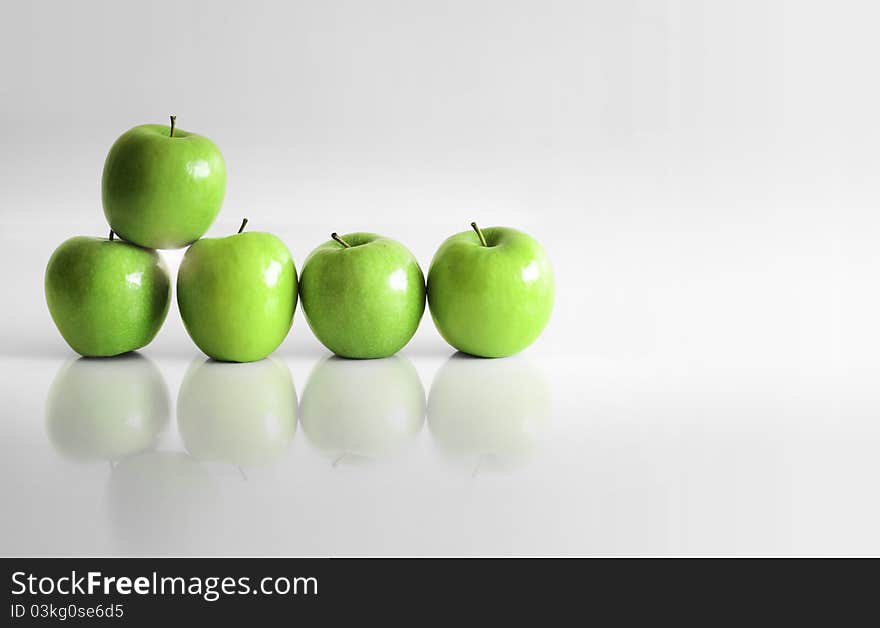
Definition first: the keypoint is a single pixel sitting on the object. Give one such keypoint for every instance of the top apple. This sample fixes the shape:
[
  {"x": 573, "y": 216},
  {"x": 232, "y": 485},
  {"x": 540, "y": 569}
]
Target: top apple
[{"x": 162, "y": 186}]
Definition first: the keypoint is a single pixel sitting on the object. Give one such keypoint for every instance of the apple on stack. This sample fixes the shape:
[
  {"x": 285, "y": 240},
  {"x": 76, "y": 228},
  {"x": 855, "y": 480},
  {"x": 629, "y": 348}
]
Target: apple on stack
[{"x": 162, "y": 186}]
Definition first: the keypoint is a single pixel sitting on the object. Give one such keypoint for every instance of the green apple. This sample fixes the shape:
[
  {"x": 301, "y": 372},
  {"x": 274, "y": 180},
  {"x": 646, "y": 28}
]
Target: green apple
[
  {"x": 106, "y": 409},
  {"x": 237, "y": 295},
  {"x": 362, "y": 410},
  {"x": 489, "y": 414},
  {"x": 363, "y": 295},
  {"x": 243, "y": 415},
  {"x": 490, "y": 291},
  {"x": 162, "y": 187},
  {"x": 106, "y": 296}
]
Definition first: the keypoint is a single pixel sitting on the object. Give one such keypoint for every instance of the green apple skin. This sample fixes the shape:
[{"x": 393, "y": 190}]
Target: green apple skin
[
  {"x": 159, "y": 191},
  {"x": 362, "y": 411},
  {"x": 490, "y": 301},
  {"x": 237, "y": 295},
  {"x": 364, "y": 301},
  {"x": 106, "y": 296},
  {"x": 106, "y": 409},
  {"x": 492, "y": 414},
  {"x": 238, "y": 414}
]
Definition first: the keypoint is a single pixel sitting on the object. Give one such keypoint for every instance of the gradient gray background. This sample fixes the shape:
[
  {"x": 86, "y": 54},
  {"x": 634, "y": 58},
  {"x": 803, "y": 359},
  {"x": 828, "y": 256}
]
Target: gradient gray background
[{"x": 703, "y": 175}]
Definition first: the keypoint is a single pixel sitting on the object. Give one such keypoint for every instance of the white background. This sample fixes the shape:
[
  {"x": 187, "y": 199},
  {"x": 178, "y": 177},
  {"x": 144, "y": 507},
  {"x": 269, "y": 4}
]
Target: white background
[{"x": 702, "y": 174}]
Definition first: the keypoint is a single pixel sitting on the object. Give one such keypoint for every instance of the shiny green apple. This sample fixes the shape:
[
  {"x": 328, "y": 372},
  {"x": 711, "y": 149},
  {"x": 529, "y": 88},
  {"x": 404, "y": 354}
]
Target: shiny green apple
[
  {"x": 162, "y": 187},
  {"x": 106, "y": 296},
  {"x": 356, "y": 411},
  {"x": 490, "y": 291},
  {"x": 238, "y": 414},
  {"x": 489, "y": 414},
  {"x": 363, "y": 295},
  {"x": 237, "y": 295},
  {"x": 106, "y": 409}
]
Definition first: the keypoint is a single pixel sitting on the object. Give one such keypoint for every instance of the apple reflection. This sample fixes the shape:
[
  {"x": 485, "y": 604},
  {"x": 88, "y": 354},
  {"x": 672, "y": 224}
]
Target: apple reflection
[
  {"x": 106, "y": 408},
  {"x": 358, "y": 411},
  {"x": 489, "y": 413},
  {"x": 161, "y": 502},
  {"x": 238, "y": 414}
]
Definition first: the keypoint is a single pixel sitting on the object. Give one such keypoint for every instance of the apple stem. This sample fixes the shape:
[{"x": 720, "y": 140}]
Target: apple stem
[
  {"x": 336, "y": 237},
  {"x": 243, "y": 223},
  {"x": 478, "y": 467},
  {"x": 479, "y": 234},
  {"x": 112, "y": 235},
  {"x": 173, "y": 122},
  {"x": 242, "y": 473}
]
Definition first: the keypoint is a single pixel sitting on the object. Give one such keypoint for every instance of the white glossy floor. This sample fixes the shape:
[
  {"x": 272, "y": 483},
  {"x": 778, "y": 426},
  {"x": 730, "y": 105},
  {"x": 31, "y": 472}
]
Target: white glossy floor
[{"x": 693, "y": 394}]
